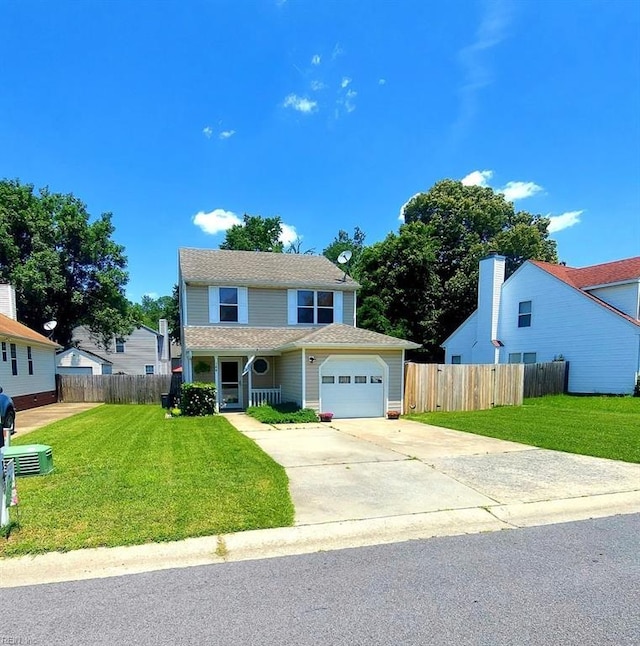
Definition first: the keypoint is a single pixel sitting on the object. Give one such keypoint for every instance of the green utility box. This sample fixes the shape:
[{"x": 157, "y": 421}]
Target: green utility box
[{"x": 30, "y": 459}]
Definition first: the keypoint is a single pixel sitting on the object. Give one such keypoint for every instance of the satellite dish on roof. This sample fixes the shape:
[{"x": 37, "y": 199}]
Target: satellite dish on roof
[
  {"x": 345, "y": 257},
  {"x": 49, "y": 326}
]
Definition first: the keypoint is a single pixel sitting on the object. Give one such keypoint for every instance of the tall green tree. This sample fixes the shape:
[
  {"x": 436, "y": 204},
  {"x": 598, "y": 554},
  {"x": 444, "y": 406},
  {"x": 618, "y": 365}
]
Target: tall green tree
[
  {"x": 63, "y": 266},
  {"x": 150, "y": 310},
  {"x": 255, "y": 234},
  {"x": 344, "y": 242},
  {"x": 400, "y": 293},
  {"x": 465, "y": 223}
]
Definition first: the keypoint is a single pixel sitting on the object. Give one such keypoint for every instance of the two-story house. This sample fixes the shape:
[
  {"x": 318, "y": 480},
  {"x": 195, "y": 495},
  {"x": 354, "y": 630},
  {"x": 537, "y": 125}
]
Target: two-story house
[
  {"x": 143, "y": 352},
  {"x": 589, "y": 316},
  {"x": 282, "y": 328}
]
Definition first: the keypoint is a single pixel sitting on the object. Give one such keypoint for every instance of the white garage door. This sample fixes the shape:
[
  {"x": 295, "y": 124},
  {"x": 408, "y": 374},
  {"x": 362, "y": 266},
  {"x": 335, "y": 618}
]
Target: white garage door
[{"x": 352, "y": 387}]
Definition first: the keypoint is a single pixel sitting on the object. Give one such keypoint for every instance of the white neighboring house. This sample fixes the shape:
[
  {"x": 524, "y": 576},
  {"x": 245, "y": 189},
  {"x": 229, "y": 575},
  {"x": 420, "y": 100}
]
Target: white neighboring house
[
  {"x": 144, "y": 352},
  {"x": 588, "y": 316},
  {"x": 27, "y": 358}
]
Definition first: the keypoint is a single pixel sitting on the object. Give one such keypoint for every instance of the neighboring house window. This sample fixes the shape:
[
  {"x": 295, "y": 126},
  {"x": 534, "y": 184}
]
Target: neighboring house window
[
  {"x": 120, "y": 345},
  {"x": 29, "y": 359},
  {"x": 456, "y": 358},
  {"x": 522, "y": 357},
  {"x": 524, "y": 314},
  {"x": 148, "y": 369},
  {"x": 4, "y": 350},
  {"x": 260, "y": 366},
  {"x": 106, "y": 369},
  {"x": 315, "y": 307},
  {"x": 228, "y": 305},
  {"x": 14, "y": 359}
]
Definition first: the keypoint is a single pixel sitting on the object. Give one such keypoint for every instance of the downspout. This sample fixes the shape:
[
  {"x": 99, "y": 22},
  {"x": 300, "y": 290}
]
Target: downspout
[{"x": 402, "y": 371}]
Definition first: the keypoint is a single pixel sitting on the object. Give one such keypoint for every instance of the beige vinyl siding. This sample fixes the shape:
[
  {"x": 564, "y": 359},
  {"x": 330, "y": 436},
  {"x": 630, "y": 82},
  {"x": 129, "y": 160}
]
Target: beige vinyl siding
[
  {"x": 393, "y": 359},
  {"x": 141, "y": 349},
  {"x": 290, "y": 371},
  {"x": 197, "y": 305},
  {"x": 347, "y": 308},
  {"x": 43, "y": 378},
  {"x": 267, "y": 307},
  {"x": 267, "y": 380}
]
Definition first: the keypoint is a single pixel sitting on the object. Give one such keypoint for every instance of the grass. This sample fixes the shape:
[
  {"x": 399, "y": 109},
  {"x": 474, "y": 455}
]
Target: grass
[
  {"x": 606, "y": 427},
  {"x": 126, "y": 475},
  {"x": 286, "y": 413}
]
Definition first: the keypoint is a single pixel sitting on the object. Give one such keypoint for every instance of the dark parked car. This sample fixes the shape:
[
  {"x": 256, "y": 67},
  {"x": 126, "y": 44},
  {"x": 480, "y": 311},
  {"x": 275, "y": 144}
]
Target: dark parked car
[{"x": 7, "y": 415}]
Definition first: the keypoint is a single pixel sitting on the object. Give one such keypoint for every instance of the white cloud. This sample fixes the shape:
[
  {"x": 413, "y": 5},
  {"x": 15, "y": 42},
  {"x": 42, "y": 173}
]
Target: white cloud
[
  {"x": 519, "y": 190},
  {"x": 216, "y": 221},
  {"x": 288, "y": 234},
  {"x": 512, "y": 191},
  {"x": 315, "y": 60},
  {"x": 476, "y": 72},
  {"x": 477, "y": 178},
  {"x": 207, "y": 132},
  {"x": 382, "y": 81},
  {"x": 337, "y": 51},
  {"x": 300, "y": 103},
  {"x": 563, "y": 221},
  {"x": 316, "y": 86},
  {"x": 345, "y": 81},
  {"x": 402, "y": 208},
  {"x": 349, "y": 106},
  {"x": 153, "y": 295},
  {"x": 226, "y": 134}
]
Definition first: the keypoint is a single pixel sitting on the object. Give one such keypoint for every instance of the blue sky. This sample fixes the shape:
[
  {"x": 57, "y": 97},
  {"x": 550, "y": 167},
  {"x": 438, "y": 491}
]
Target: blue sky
[{"x": 179, "y": 117}]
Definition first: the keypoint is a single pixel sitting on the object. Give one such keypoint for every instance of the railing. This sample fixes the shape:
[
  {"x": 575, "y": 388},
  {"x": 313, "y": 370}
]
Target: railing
[{"x": 265, "y": 396}]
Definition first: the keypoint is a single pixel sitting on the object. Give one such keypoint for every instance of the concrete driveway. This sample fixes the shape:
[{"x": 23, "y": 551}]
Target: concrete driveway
[
  {"x": 34, "y": 418},
  {"x": 376, "y": 468}
]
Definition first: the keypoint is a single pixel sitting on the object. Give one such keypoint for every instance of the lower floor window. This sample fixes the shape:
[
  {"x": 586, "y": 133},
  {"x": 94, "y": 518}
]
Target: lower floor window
[
  {"x": 456, "y": 358},
  {"x": 522, "y": 357},
  {"x": 148, "y": 369}
]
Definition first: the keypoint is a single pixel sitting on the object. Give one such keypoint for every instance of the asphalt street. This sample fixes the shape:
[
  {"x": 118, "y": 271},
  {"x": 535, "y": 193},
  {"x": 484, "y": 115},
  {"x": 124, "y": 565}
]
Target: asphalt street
[{"x": 573, "y": 583}]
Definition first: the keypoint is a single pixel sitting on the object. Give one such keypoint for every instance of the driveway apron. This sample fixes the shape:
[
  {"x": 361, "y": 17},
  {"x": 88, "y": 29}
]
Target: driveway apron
[{"x": 372, "y": 468}]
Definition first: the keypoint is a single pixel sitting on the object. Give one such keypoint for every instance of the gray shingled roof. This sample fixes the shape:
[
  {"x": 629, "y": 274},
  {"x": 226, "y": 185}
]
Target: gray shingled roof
[
  {"x": 257, "y": 268},
  {"x": 254, "y": 339}
]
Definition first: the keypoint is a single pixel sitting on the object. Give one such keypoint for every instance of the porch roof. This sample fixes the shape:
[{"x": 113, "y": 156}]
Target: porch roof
[{"x": 276, "y": 339}]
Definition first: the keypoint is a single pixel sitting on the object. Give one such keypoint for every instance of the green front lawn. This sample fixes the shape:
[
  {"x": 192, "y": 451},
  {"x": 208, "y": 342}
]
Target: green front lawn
[
  {"x": 606, "y": 427},
  {"x": 126, "y": 475}
]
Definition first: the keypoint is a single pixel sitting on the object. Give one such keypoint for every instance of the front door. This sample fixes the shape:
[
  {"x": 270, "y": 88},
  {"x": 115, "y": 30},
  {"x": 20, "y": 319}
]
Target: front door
[{"x": 230, "y": 384}]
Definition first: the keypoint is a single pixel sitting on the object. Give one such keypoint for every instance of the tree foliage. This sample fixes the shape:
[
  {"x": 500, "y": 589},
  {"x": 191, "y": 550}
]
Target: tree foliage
[
  {"x": 344, "y": 242},
  {"x": 255, "y": 234},
  {"x": 400, "y": 293},
  {"x": 63, "y": 266},
  {"x": 461, "y": 224},
  {"x": 150, "y": 310}
]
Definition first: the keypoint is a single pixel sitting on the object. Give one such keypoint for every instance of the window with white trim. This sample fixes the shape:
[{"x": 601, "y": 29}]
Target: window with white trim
[
  {"x": 14, "y": 359},
  {"x": 260, "y": 366},
  {"x": 29, "y": 360},
  {"x": 120, "y": 345},
  {"x": 315, "y": 307},
  {"x": 524, "y": 314},
  {"x": 522, "y": 357},
  {"x": 456, "y": 358},
  {"x": 4, "y": 350},
  {"x": 228, "y": 304},
  {"x": 149, "y": 369}
]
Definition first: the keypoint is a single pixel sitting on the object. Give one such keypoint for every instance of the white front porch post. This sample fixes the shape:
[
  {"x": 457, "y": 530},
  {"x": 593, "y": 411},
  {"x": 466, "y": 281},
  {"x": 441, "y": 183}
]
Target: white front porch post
[
  {"x": 216, "y": 381},
  {"x": 250, "y": 384}
]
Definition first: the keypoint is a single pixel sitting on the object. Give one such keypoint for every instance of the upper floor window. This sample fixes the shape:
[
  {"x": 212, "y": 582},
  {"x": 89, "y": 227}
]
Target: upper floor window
[
  {"x": 315, "y": 307},
  {"x": 4, "y": 350},
  {"x": 228, "y": 305},
  {"x": 524, "y": 314},
  {"x": 120, "y": 345},
  {"x": 14, "y": 359},
  {"x": 29, "y": 360}
]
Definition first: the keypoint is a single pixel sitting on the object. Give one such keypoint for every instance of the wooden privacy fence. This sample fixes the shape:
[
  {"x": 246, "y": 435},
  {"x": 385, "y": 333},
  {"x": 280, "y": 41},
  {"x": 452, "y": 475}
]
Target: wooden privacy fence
[
  {"x": 546, "y": 378},
  {"x": 434, "y": 387},
  {"x": 113, "y": 389}
]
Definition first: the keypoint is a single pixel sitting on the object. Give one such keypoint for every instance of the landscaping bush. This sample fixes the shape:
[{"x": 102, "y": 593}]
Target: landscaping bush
[
  {"x": 287, "y": 413},
  {"x": 198, "y": 399}
]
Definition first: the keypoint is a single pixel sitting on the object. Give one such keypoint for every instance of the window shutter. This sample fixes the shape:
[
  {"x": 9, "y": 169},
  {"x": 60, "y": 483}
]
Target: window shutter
[
  {"x": 243, "y": 305},
  {"x": 214, "y": 305},
  {"x": 337, "y": 307},
  {"x": 292, "y": 306}
]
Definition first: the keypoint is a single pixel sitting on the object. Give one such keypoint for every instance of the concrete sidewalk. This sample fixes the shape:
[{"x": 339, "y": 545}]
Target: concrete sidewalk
[{"x": 365, "y": 482}]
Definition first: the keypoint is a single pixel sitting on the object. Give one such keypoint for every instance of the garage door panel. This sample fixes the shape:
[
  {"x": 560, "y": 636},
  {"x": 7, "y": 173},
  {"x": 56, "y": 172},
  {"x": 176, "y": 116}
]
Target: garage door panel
[{"x": 352, "y": 387}]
